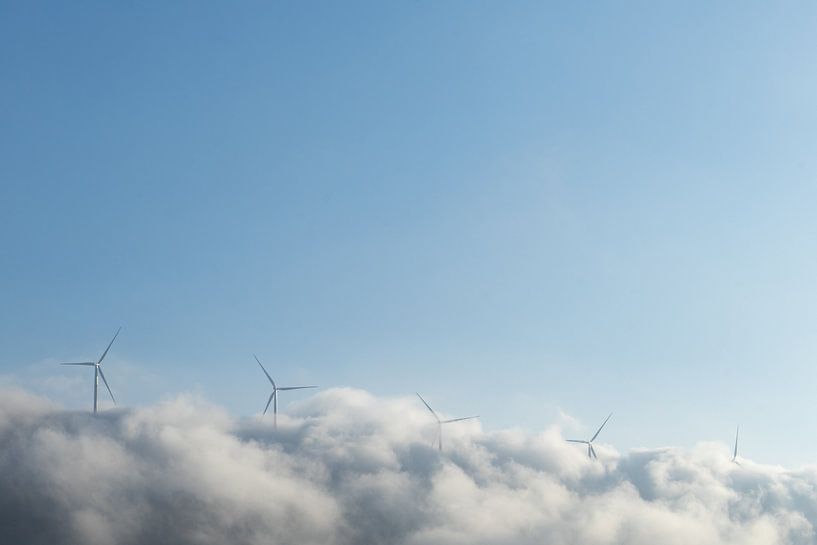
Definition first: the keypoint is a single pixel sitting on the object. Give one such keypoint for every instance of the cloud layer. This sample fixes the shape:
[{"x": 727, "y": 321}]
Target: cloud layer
[{"x": 349, "y": 468}]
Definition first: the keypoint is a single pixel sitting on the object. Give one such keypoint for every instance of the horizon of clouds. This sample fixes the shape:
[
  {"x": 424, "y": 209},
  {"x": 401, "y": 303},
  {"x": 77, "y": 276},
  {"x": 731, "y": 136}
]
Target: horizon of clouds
[
  {"x": 346, "y": 466},
  {"x": 73, "y": 390}
]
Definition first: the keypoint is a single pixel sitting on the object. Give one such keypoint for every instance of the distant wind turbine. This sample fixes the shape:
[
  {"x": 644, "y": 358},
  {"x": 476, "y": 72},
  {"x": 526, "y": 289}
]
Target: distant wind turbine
[
  {"x": 591, "y": 452},
  {"x": 735, "y": 453},
  {"x": 441, "y": 422},
  {"x": 98, "y": 371},
  {"x": 274, "y": 395}
]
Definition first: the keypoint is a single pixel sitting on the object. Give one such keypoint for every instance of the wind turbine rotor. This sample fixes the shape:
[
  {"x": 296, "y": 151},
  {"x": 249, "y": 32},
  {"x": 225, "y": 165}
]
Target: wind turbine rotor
[
  {"x": 441, "y": 422},
  {"x": 591, "y": 452},
  {"x": 273, "y": 398}
]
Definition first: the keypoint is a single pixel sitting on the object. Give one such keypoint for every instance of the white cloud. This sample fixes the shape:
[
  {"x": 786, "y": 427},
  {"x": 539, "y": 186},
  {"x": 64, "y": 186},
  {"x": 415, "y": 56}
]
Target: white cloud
[{"x": 346, "y": 467}]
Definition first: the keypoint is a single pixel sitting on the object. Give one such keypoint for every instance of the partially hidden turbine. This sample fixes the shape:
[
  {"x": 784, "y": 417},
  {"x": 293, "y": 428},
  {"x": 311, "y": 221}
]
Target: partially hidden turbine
[
  {"x": 98, "y": 371},
  {"x": 591, "y": 452},
  {"x": 441, "y": 422},
  {"x": 273, "y": 398}
]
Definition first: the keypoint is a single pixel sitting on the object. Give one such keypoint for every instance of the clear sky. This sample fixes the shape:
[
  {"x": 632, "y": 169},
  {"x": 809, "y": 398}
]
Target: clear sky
[{"x": 517, "y": 209}]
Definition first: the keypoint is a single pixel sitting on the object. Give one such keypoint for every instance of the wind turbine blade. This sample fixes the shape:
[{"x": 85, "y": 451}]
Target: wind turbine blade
[
  {"x": 296, "y": 387},
  {"x": 269, "y": 401},
  {"x": 265, "y": 371},
  {"x": 428, "y": 406},
  {"x": 578, "y": 441},
  {"x": 101, "y": 374},
  {"x": 599, "y": 430},
  {"x": 458, "y": 419},
  {"x": 593, "y": 451},
  {"x": 80, "y": 363},
  {"x": 105, "y": 353},
  {"x": 735, "y": 455}
]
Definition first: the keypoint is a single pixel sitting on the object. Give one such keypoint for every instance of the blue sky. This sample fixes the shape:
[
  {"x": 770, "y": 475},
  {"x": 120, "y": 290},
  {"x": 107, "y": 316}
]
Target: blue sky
[{"x": 515, "y": 209}]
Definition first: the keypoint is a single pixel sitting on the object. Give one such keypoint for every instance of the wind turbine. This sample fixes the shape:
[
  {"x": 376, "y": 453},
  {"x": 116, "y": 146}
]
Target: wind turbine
[
  {"x": 591, "y": 452},
  {"x": 735, "y": 453},
  {"x": 274, "y": 395},
  {"x": 98, "y": 371},
  {"x": 441, "y": 422}
]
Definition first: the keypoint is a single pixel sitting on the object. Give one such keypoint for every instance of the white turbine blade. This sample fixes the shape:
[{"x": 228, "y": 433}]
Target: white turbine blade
[
  {"x": 599, "y": 430},
  {"x": 593, "y": 451},
  {"x": 105, "y": 353},
  {"x": 735, "y": 455},
  {"x": 81, "y": 363},
  {"x": 578, "y": 441},
  {"x": 101, "y": 374},
  {"x": 269, "y": 401},
  {"x": 296, "y": 387},
  {"x": 265, "y": 371},
  {"x": 428, "y": 407},
  {"x": 458, "y": 419}
]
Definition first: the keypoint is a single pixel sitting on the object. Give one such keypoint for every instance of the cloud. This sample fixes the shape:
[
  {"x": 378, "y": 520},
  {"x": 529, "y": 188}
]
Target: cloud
[{"x": 346, "y": 467}]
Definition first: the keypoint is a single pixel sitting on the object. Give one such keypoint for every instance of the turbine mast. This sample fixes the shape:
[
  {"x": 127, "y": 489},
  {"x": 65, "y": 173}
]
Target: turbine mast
[
  {"x": 96, "y": 385},
  {"x": 440, "y": 436}
]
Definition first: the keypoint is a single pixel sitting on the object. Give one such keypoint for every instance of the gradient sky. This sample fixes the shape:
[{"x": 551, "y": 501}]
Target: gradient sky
[{"x": 519, "y": 210}]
